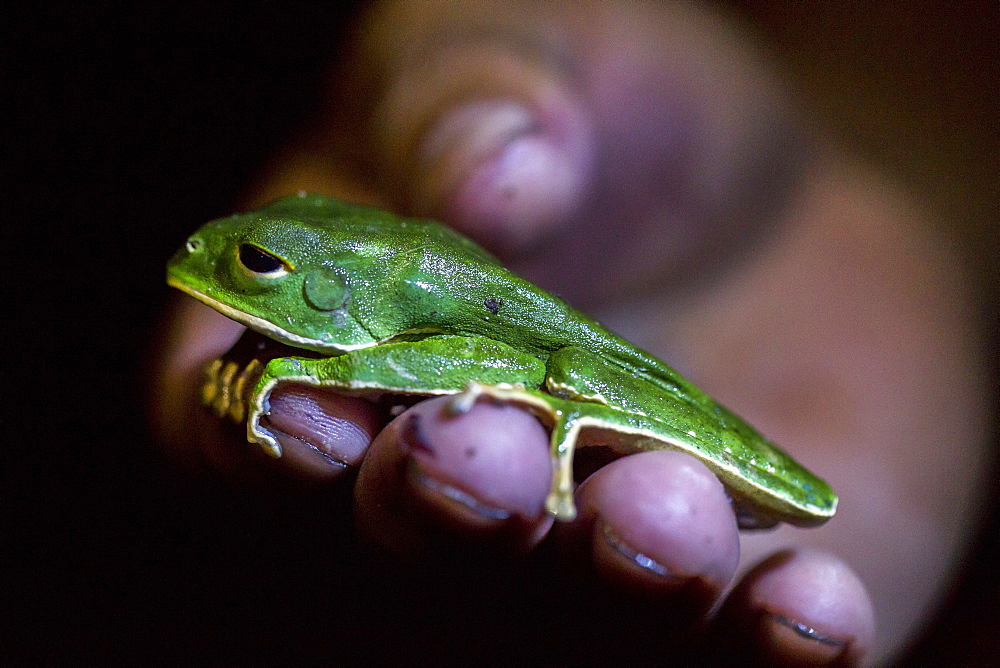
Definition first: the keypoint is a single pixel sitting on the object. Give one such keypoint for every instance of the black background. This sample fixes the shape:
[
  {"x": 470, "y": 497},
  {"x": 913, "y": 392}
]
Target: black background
[{"x": 128, "y": 125}]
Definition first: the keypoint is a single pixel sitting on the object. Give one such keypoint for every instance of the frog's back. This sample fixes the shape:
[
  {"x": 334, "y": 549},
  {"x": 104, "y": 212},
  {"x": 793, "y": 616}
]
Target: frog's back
[
  {"x": 530, "y": 316},
  {"x": 376, "y": 227}
]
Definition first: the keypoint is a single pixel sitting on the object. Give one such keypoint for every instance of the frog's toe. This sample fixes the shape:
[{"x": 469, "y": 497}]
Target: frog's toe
[
  {"x": 462, "y": 403},
  {"x": 560, "y": 505},
  {"x": 262, "y": 437}
]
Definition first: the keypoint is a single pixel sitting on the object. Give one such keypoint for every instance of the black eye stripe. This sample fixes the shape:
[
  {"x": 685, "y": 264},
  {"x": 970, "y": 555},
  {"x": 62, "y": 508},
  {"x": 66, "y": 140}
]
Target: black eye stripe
[{"x": 259, "y": 261}]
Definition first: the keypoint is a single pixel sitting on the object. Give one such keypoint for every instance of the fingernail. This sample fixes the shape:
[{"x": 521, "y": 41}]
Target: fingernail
[
  {"x": 487, "y": 511},
  {"x": 412, "y": 438},
  {"x": 643, "y": 561},
  {"x": 807, "y": 632},
  {"x": 493, "y": 165},
  {"x": 446, "y": 462},
  {"x": 478, "y": 128},
  {"x": 791, "y": 640}
]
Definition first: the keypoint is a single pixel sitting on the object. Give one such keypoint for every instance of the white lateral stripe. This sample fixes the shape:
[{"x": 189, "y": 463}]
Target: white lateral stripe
[{"x": 260, "y": 325}]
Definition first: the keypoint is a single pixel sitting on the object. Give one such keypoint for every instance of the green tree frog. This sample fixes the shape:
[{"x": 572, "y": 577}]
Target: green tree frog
[{"x": 377, "y": 304}]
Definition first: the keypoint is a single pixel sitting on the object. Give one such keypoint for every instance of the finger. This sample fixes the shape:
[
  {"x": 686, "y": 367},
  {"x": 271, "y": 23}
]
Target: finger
[
  {"x": 438, "y": 480},
  {"x": 659, "y": 525},
  {"x": 475, "y": 122},
  {"x": 522, "y": 122},
  {"x": 798, "y": 608},
  {"x": 322, "y": 434}
]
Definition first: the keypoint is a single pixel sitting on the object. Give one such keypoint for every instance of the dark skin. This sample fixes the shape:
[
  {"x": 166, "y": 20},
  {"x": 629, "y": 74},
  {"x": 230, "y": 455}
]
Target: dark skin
[{"x": 639, "y": 161}]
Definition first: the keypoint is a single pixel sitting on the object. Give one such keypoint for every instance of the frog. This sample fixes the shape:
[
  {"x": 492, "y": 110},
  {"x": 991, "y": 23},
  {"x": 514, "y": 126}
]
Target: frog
[{"x": 365, "y": 302}]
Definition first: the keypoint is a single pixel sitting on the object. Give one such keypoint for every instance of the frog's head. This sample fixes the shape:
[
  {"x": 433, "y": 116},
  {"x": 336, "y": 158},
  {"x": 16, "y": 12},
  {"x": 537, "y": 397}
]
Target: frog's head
[{"x": 279, "y": 273}]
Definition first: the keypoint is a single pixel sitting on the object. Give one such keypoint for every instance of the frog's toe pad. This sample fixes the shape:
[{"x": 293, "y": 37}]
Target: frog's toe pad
[
  {"x": 462, "y": 403},
  {"x": 561, "y": 506}
]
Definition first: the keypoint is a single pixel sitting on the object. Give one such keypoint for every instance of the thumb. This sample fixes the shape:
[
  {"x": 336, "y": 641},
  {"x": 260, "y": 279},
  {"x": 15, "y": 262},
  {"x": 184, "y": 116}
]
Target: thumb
[{"x": 485, "y": 134}]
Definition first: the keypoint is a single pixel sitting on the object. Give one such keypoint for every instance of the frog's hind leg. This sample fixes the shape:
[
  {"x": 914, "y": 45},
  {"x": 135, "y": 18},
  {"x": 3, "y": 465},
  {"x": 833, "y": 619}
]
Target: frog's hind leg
[
  {"x": 564, "y": 421},
  {"x": 560, "y": 499}
]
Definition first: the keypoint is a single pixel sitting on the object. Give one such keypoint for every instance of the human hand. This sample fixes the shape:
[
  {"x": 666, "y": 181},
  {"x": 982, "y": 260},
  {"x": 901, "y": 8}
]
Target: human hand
[{"x": 645, "y": 136}]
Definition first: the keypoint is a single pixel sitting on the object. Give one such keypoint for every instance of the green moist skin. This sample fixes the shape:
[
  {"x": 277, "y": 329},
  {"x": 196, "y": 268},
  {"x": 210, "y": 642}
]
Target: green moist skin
[{"x": 379, "y": 304}]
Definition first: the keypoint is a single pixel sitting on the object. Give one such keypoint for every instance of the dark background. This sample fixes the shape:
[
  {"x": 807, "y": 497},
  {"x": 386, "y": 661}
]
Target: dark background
[{"x": 130, "y": 124}]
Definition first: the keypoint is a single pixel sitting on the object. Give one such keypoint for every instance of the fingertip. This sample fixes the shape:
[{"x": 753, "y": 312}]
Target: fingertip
[
  {"x": 488, "y": 137},
  {"x": 434, "y": 479},
  {"x": 661, "y": 525},
  {"x": 509, "y": 174},
  {"x": 801, "y": 607},
  {"x": 322, "y": 434},
  {"x": 498, "y": 453}
]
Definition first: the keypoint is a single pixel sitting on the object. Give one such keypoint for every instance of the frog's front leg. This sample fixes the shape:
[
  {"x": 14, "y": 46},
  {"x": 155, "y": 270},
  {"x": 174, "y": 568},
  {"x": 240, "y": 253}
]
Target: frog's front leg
[{"x": 437, "y": 365}]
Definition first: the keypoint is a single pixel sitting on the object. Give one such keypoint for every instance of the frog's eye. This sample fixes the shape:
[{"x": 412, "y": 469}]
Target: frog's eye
[{"x": 259, "y": 262}]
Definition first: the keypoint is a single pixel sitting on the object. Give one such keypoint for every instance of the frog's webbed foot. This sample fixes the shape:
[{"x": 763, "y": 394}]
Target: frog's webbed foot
[
  {"x": 226, "y": 387},
  {"x": 559, "y": 502},
  {"x": 231, "y": 392}
]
